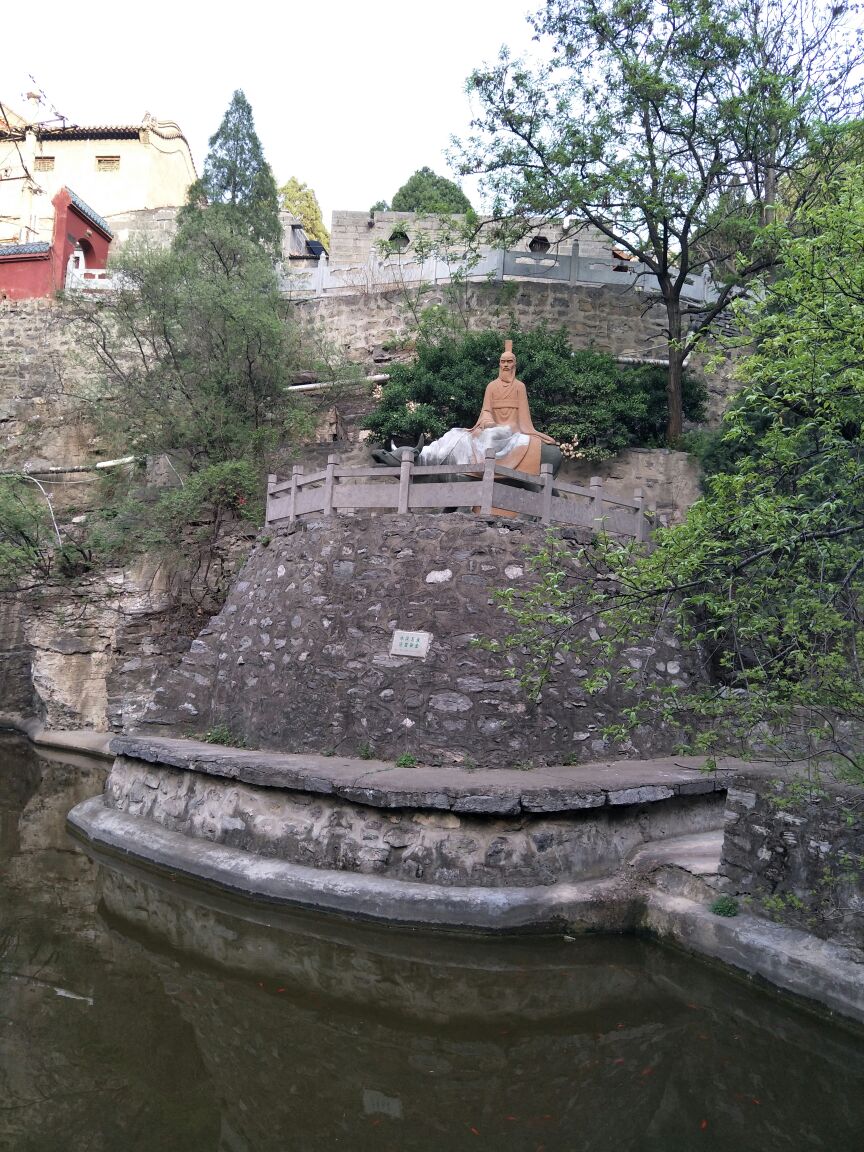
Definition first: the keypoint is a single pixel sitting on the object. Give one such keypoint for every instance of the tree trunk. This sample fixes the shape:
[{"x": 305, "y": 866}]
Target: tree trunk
[{"x": 675, "y": 422}]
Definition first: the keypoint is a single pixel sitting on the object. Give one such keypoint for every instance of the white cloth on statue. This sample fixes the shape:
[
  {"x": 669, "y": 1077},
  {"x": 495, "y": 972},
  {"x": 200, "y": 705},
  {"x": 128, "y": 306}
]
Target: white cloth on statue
[{"x": 462, "y": 448}]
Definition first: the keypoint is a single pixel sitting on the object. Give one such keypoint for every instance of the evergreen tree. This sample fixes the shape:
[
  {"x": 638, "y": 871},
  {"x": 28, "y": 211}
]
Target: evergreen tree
[{"x": 238, "y": 182}]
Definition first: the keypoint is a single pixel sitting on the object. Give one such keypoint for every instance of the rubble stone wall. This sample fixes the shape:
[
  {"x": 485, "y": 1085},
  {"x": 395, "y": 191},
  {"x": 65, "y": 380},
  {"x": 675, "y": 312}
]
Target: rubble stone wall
[
  {"x": 796, "y": 848},
  {"x": 299, "y": 657}
]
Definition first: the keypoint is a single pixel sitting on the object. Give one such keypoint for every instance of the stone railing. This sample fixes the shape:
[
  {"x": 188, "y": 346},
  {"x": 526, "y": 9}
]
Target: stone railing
[
  {"x": 431, "y": 487},
  {"x": 90, "y": 280},
  {"x": 379, "y": 273}
]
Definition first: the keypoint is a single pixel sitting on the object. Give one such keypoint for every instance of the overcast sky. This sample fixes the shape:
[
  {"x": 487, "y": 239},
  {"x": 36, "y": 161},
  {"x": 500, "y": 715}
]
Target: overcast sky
[{"x": 349, "y": 97}]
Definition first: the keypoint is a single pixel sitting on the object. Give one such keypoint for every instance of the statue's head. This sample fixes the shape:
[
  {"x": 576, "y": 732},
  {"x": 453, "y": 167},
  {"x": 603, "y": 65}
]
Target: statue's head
[{"x": 507, "y": 363}]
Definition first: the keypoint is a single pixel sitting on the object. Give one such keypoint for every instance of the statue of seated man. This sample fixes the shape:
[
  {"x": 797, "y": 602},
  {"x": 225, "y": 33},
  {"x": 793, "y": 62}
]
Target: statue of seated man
[{"x": 504, "y": 424}]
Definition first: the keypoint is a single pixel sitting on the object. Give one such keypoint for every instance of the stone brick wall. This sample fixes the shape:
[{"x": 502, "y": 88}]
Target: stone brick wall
[
  {"x": 40, "y": 376},
  {"x": 670, "y": 481},
  {"x": 355, "y": 235},
  {"x": 623, "y": 322},
  {"x": 155, "y": 226},
  {"x": 403, "y": 843},
  {"x": 798, "y": 851},
  {"x": 299, "y": 660}
]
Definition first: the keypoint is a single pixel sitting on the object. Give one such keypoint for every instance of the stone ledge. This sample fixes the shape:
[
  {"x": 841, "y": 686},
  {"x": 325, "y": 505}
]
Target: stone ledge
[
  {"x": 497, "y": 792},
  {"x": 788, "y": 959},
  {"x": 795, "y": 961},
  {"x": 594, "y": 903}
]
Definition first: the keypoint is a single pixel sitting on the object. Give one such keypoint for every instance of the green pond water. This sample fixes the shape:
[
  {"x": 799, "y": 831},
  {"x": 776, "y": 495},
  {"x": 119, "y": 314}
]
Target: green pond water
[{"x": 137, "y": 1014}]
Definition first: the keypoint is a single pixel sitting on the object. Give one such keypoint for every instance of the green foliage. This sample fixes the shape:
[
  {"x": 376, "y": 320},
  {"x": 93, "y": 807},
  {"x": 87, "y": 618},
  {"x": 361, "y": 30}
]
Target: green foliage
[
  {"x": 222, "y": 734},
  {"x": 379, "y": 206},
  {"x": 780, "y": 905},
  {"x": 196, "y": 349},
  {"x": 591, "y": 405},
  {"x": 428, "y": 194},
  {"x": 238, "y": 184},
  {"x": 671, "y": 129},
  {"x": 406, "y": 760},
  {"x": 196, "y": 346},
  {"x": 766, "y": 576},
  {"x": 173, "y": 521},
  {"x": 27, "y": 540},
  {"x": 725, "y": 906},
  {"x": 300, "y": 200}
]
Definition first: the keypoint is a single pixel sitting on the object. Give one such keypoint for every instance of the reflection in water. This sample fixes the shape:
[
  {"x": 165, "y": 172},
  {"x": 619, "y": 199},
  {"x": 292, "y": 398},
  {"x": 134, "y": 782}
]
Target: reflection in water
[
  {"x": 93, "y": 1054},
  {"x": 188, "y": 1021}
]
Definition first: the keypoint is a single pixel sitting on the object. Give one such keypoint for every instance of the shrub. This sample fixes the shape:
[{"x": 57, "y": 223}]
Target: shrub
[
  {"x": 725, "y": 906},
  {"x": 593, "y": 406}
]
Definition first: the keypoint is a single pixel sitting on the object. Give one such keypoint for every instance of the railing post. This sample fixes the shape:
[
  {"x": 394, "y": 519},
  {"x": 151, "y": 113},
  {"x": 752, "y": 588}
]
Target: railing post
[
  {"x": 271, "y": 481},
  {"x": 574, "y": 263},
  {"x": 596, "y": 489},
  {"x": 487, "y": 483},
  {"x": 320, "y": 274},
  {"x": 407, "y": 458},
  {"x": 296, "y": 473},
  {"x": 332, "y": 460},
  {"x": 640, "y": 515},
  {"x": 499, "y": 264},
  {"x": 546, "y": 474}
]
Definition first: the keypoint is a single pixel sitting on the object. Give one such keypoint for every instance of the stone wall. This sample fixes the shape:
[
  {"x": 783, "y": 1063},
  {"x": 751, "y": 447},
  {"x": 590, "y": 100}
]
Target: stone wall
[
  {"x": 797, "y": 850},
  {"x": 623, "y": 322},
  {"x": 156, "y": 226},
  {"x": 354, "y": 236},
  {"x": 40, "y": 380},
  {"x": 448, "y": 848},
  {"x": 299, "y": 658},
  {"x": 670, "y": 481}
]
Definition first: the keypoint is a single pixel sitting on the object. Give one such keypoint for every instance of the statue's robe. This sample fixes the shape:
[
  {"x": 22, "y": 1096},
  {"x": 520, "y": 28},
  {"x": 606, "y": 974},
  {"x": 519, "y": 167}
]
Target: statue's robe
[{"x": 507, "y": 404}]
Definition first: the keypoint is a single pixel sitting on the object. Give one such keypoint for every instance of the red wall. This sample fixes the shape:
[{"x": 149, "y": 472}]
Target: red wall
[
  {"x": 71, "y": 228},
  {"x": 22, "y": 277},
  {"x": 43, "y": 274}
]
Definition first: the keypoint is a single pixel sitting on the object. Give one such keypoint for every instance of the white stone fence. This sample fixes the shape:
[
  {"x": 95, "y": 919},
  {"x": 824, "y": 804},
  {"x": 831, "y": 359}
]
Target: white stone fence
[
  {"x": 383, "y": 273},
  {"x": 427, "y": 487},
  {"x": 379, "y": 273},
  {"x": 90, "y": 280}
]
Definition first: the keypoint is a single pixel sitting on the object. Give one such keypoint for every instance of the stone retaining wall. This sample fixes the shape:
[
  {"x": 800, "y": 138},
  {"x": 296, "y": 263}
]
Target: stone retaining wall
[
  {"x": 299, "y": 657},
  {"x": 436, "y": 847},
  {"x": 623, "y": 322},
  {"x": 797, "y": 850}
]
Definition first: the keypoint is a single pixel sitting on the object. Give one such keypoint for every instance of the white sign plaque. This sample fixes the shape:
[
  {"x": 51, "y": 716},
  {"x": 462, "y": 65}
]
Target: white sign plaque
[{"x": 410, "y": 644}]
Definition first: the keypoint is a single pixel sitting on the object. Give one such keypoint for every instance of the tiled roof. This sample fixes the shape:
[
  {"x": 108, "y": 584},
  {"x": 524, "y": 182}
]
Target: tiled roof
[
  {"x": 89, "y": 132},
  {"x": 37, "y": 248},
  {"x": 92, "y": 216}
]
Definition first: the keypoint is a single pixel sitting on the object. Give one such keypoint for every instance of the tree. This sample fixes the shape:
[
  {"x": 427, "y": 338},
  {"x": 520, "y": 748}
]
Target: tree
[
  {"x": 195, "y": 345},
  {"x": 767, "y": 573},
  {"x": 195, "y": 348},
  {"x": 237, "y": 182},
  {"x": 670, "y": 128},
  {"x": 426, "y": 193},
  {"x": 301, "y": 201}
]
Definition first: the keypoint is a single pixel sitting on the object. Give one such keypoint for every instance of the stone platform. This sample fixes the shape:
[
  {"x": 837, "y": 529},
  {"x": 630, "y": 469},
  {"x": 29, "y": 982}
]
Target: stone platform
[
  {"x": 626, "y": 846},
  {"x": 404, "y": 830}
]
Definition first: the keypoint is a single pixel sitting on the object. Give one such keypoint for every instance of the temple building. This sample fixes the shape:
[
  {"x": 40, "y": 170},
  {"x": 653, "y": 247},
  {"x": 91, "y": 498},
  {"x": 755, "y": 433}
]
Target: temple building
[{"x": 116, "y": 168}]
